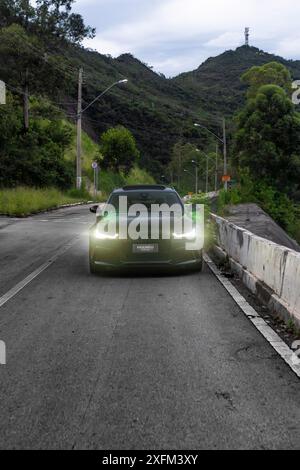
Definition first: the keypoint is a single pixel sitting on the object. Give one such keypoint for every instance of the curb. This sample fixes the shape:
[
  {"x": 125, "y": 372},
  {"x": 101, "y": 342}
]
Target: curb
[{"x": 266, "y": 295}]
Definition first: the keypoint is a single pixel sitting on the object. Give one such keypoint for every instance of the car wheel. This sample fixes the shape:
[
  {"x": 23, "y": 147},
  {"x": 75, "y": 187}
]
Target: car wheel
[
  {"x": 200, "y": 263},
  {"x": 93, "y": 267}
]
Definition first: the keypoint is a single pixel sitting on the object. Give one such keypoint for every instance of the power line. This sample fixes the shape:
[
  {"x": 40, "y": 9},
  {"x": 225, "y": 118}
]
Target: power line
[
  {"x": 16, "y": 90},
  {"x": 45, "y": 56}
]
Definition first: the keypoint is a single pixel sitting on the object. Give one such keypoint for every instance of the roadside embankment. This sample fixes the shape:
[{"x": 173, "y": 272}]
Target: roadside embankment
[{"x": 271, "y": 271}]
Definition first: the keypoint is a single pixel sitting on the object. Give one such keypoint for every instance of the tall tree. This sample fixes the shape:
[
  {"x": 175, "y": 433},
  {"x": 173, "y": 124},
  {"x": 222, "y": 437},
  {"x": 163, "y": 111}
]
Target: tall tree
[
  {"x": 16, "y": 11},
  {"x": 55, "y": 18},
  {"x": 267, "y": 140},
  {"x": 49, "y": 18},
  {"x": 272, "y": 73},
  {"x": 119, "y": 149}
]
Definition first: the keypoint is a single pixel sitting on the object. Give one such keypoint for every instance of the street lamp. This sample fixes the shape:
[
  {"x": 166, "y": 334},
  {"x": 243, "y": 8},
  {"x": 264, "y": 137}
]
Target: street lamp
[
  {"x": 120, "y": 82},
  {"x": 216, "y": 169},
  {"x": 189, "y": 173},
  {"x": 223, "y": 141},
  {"x": 196, "y": 174},
  {"x": 79, "y": 122}
]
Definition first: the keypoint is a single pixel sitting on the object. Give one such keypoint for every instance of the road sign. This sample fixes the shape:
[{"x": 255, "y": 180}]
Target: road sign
[
  {"x": 96, "y": 171},
  {"x": 226, "y": 178}
]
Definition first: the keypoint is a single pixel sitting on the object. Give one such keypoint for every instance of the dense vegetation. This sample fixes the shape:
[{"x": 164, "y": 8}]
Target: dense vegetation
[
  {"x": 38, "y": 140},
  {"x": 267, "y": 147},
  {"x": 34, "y": 157},
  {"x": 267, "y": 139},
  {"x": 149, "y": 121},
  {"x": 275, "y": 203},
  {"x": 39, "y": 52},
  {"x": 217, "y": 82},
  {"x": 119, "y": 150}
]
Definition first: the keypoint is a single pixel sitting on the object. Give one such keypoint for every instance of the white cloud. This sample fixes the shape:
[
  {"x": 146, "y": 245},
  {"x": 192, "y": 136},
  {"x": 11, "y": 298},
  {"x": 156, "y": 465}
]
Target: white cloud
[
  {"x": 289, "y": 47},
  {"x": 175, "y": 34},
  {"x": 226, "y": 40},
  {"x": 106, "y": 46}
]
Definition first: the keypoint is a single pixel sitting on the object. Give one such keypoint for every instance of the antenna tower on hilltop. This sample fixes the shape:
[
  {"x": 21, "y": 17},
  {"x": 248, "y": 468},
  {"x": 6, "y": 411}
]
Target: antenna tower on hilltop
[{"x": 247, "y": 34}]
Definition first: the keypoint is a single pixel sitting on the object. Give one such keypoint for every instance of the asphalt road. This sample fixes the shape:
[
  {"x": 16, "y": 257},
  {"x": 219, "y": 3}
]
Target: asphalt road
[{"x": 112, "y": 362}]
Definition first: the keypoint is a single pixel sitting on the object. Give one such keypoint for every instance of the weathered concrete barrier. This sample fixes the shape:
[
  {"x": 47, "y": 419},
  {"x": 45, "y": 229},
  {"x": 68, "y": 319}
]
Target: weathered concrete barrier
[{"x": 271, "y": 271}]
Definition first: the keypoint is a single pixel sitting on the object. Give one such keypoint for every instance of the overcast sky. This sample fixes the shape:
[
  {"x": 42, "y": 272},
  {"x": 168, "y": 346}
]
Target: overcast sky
[{"x": 175, "y": 36}]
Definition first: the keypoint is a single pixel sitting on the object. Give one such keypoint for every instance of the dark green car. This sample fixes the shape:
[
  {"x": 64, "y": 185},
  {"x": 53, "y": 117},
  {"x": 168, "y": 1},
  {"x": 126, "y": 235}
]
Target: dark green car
[{"x": 148, "y": 247}]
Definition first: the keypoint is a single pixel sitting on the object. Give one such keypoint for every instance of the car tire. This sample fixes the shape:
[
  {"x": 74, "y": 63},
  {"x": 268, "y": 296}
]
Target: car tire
[
  {"x": 93, "y": 267},
  {"x": 199, "y": 264}
]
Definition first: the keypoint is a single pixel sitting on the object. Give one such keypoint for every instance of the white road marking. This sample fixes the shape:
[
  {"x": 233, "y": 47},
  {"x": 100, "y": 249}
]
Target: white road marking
[
  {"x": 18, "y": 287},
  {"x": 269, "y": 334},
  {"x": 75, "y": 221}
]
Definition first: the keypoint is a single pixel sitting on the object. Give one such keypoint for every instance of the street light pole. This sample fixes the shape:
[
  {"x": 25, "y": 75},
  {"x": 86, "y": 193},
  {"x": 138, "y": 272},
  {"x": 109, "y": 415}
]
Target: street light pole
[
  {"x": 80, "y": 111},
  {"x": 196, "y": 175},
  {"x": 216, "y": 173},
  {"x": 225, "y": 152},
  {"x": 223, "y": 141},
  {"x": 196, "y": 178},
  {"x": 206, "y": 185}
]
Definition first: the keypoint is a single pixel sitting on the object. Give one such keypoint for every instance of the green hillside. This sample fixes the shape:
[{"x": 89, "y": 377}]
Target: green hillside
[
  {"x": 216, "y": 84},
  {"x": 161, "y": 111},
  {"x": 158, "y": 111}
]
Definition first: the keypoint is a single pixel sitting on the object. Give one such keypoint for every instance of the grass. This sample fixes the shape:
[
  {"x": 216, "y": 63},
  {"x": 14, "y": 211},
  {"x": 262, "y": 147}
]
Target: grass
[
  {"x": 21, "y": 202},
  {"x": 108, "y": 180},
  {"x": 90, "y": 150}
]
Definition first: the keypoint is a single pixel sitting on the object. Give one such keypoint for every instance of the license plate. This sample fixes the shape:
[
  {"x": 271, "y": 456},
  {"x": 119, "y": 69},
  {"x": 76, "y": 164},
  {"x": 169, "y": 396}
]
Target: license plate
[{"x": 146, "y": 248}]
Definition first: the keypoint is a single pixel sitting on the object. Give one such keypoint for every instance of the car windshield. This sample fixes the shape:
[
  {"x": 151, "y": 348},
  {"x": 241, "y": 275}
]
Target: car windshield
[{"x": 145, "y": 197}]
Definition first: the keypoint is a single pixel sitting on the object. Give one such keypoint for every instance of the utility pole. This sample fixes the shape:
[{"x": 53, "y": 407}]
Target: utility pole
[
  {"x": 224, "y": 143},
  {"x": 26, "y": 102},
  {"x": 216, "y": 173},
  {"x": 80, "y": 112},
  {"x": 225, "y": 153},
  {"x": 2, "y": 92},
  {"x": 79, "y": 118}
]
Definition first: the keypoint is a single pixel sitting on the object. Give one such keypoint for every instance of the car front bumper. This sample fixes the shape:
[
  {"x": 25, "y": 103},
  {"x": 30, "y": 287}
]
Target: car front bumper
[{"x": 117, "y": 254}]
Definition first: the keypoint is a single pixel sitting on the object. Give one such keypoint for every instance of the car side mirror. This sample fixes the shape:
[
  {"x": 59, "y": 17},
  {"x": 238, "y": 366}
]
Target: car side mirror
[{"x": 93, "y": 209}]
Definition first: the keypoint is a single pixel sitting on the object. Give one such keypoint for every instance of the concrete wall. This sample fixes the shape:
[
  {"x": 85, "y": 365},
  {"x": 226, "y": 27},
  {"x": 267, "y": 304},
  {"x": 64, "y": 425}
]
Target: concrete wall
[{"x": 272, "y": 265}]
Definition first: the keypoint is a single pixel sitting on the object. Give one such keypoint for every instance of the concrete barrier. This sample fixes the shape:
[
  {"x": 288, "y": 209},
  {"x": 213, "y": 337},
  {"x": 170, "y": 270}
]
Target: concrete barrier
[{"x": 263, "y": 263}]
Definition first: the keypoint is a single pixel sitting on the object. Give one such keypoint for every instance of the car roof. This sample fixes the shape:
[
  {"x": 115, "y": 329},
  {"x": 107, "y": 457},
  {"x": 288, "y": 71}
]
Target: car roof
[{"x": 144, "y": 187}]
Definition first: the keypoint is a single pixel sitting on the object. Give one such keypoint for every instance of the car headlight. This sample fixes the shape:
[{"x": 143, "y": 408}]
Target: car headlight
[
  {"x": 105, "y": 235},
  {"x": 185, "y": 236}
]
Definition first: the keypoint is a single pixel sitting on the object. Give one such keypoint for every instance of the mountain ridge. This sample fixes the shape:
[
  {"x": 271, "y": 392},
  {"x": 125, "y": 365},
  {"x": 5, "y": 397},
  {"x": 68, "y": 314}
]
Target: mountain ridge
[{"x": 159, "y": 111}]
